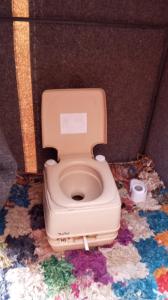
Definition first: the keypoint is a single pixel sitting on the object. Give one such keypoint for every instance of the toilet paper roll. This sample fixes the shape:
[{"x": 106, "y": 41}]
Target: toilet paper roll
[{"x": 138, "y": 190}]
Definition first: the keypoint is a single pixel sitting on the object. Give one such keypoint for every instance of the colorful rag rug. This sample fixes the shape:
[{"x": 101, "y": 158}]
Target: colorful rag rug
[{"x": 134, "y": 266}]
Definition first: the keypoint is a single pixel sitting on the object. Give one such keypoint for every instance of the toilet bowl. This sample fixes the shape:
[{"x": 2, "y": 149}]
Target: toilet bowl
[
  {"x": 80, "y": 182},
  {"x": 81, "y": 200}
]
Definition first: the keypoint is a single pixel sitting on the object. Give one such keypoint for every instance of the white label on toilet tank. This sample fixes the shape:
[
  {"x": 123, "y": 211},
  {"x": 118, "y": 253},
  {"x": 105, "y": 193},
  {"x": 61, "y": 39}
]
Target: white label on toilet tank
[{"x": 73, "y": 123}]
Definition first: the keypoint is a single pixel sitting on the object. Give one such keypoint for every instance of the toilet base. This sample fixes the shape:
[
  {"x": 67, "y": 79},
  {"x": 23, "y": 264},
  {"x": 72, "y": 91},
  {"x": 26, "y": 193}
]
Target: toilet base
[
  {"x": 65, "y": 228},
  {"x": 74, "y": 243}
]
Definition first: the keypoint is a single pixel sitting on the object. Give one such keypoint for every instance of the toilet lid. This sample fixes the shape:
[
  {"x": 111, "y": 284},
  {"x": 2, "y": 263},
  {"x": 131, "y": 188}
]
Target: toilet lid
[{"x": 74, "y": 120}]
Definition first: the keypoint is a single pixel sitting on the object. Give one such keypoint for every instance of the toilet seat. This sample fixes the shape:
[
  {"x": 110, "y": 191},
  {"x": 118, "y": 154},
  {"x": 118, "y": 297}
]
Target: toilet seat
[{"x": 54, "y": 172}]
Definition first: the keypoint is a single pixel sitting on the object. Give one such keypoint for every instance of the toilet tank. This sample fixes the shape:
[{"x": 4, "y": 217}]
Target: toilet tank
[{"x": 74, "y": 120}]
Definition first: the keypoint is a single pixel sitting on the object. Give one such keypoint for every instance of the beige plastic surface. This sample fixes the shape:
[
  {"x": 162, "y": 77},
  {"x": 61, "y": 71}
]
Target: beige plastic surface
[
  {"x": 81, "y": 176},
  {"x": 97, "y": 216},
  {"x": 80, "y": 195},
  {"x": 65, "y": 227},
  {"x": 91, "y": 103},
  {"x": 63, "y": 244}
]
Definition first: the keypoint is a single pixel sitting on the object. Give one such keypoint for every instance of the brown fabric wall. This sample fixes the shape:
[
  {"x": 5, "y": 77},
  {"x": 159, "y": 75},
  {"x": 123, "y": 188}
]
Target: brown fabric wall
[
  {"x": 124, "y": 59},
  {"x": 9, "y": 106},
  {"x": 157, "y": 145},
  {"x": 134, "y": 11},
  {"x": 5, "y": 8}
]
